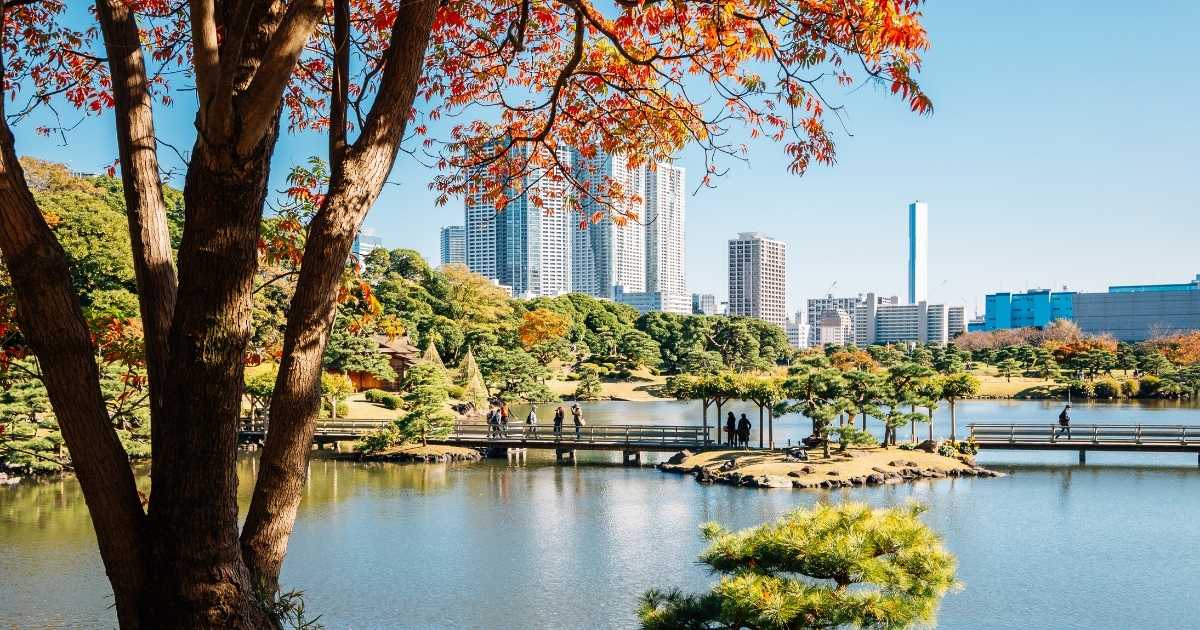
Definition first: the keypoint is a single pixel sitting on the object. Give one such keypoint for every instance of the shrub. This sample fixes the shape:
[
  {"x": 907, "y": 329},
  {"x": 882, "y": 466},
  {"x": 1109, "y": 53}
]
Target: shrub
[
  {"x": 378, "y": 440},
  {"x": 1149, "y": 385},
  {"x": 1131, "y": 388},
  {"x": 1107, "y": 388},
  {"x": 374, "y": 395},
  {"x": 391, "y": 401},
  {"x": 1082, "y": 389},
  {"x": 947, "y": 449},
  {"x": 456, "y": 391}
]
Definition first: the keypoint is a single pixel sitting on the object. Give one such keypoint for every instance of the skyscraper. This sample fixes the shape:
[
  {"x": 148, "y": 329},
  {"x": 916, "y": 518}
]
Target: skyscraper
[
  {"x": 364, "y": 244},
  {"x": 758, "y": 277},
  {"x": 664, "y": 221},
  {"x": 526, "y": 246},
  {"x": 606, "y": 255},
  {"x": 454, "y": 244},
  {"x": 918, "y": 252}
]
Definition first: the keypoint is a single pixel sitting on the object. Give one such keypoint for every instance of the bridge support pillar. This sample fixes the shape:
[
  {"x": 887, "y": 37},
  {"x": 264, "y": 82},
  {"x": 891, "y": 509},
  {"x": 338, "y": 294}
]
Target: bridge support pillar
[
  {"x": 1082, "y": 457},
  {"x": 516, "y": 455},
  {"x": 631, "y": 458},
  {"x": 564, "y": 455}
]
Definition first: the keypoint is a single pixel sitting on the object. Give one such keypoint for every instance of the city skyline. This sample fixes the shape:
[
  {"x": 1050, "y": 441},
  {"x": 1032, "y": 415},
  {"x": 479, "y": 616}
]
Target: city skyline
[{"x": 1051, "y": 181}]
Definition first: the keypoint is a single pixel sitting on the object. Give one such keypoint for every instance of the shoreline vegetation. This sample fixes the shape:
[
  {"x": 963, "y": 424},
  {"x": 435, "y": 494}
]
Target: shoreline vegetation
[{"x": 855, "y": 467}]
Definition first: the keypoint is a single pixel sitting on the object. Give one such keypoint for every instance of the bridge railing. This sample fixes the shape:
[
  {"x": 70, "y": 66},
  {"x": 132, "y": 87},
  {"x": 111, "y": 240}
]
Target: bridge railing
[
  {"x": 600, "y": 434},
  {"x": 1149, "y": 434}
]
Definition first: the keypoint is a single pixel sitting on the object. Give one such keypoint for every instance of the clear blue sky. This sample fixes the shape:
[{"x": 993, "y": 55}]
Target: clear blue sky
[{"x": 1062, "y": 150}]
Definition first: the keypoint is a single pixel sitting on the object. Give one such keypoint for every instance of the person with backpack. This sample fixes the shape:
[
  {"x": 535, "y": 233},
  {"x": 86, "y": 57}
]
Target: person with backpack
[
  {"x": 1064, "y": 422},
  {"x": 743, "y": 431},
  {"x": 730, "y": 429},
  {"x": 577, "y": 418},
  {"x": 531, "y": 422},
  {"x": 504, "y": 419},
  {"x": 493, "y": 420}
]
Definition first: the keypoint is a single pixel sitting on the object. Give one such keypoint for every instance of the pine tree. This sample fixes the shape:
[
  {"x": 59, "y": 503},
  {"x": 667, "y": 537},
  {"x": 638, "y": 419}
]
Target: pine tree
[
  {"x": 820, "y": 567},
  {"x": 432, "y": 357},
  {"x": 474, "y": 389},
  {"x": 427, "y": 403}
]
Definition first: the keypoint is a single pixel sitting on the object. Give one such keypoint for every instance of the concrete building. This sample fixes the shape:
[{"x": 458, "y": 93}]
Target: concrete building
[
  {"x": 918, "y": 252},
  {"x": 922, "y": 322},
  {"x": 835, "y": 328},
  {"x": 1127, "y": 312},
  {"x": 816, "y": 307},
  {"x": 606, "y": 255},
  {"x": 453, "y": 244},
  {"x": 758, "y": 277},
  {"x": 364, "y": 244},
  {"x": 664, "y": 225},
  {"x": 479, "y": 225},
  {"x": 797, "y": 331},
  {"x": 704, "y": 304}
]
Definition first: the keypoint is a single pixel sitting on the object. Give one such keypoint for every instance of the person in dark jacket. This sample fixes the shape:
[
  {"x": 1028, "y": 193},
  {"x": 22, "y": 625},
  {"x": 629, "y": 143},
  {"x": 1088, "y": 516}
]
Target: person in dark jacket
[
  {"x": 743, "y": 431},
  {"x": 558, "y": 421},
  {"x": 1064, "y": 422},
  {"x": 730, "y": 429}
]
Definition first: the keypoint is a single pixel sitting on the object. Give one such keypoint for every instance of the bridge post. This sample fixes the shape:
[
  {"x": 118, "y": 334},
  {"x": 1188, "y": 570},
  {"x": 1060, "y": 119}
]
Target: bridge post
[
  {"x": 1082, "y": 457},
  {"x": 564, "y": 455},
  {"x": 631, "y": 458},
  {"x": 515, "y": 455}
]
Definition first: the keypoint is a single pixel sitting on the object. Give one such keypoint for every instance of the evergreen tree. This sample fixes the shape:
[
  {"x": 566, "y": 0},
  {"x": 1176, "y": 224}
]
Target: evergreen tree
[
  {"x": 427, "y": 403},
  {"x": 474, "y": 389},
  {"x": 589, "y": 384},
  {"x": 432, "y": 357},
  {"x": 820, "y": 567}
]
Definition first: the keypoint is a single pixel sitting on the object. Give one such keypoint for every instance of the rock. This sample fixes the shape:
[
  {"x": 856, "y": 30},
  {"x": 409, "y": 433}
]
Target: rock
[
  {"x": 929, "y": 446},
  {"x": 880, "y": 470},
  {"x": 875, "y": 479},
  {"x": 729, "y": 465},
  {"x": 774, "y": 481},
  {"x": 678, "y": 458},
  {"x": 898, "y": 463},
  {"x": 796, "y": 453},
  {"x": 833, "y": 473}
]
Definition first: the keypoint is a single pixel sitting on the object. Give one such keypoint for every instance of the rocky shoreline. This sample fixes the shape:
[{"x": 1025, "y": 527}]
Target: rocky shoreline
[{"x": 854, "y": 468}]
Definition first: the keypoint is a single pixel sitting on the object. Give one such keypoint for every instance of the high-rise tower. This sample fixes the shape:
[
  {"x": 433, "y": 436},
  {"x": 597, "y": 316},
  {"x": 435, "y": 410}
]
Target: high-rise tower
[
  {"x": 606, "y": 255},
  {"x": 758, "y": 277},
  {"x": 918, "y": 252},
  {"x": 664, "y": 237}
]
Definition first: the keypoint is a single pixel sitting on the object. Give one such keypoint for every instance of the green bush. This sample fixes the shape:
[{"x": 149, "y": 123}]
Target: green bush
[
  {"x": 947, "y": 449},
  {"x": 374, "y": 395},
  {"x": 1107, "y": 388},
  {"x": 1149, "y": 385},
  {"x": 391, "y": 401},
  {"x": 1082, "y": 389},
  {"x": 378, "y": 440},
  {"x": 456, "y": 391},
  {"x": 1131, "y": 388}
]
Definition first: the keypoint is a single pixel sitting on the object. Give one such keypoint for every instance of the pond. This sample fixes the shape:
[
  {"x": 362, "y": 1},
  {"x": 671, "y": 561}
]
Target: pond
[{"x": 537, "y": 545}]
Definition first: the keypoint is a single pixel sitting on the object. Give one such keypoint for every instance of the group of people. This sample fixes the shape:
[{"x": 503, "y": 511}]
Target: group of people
[
  {"x": 737, "y": 430},
  {"x": 498, "y": 421}
]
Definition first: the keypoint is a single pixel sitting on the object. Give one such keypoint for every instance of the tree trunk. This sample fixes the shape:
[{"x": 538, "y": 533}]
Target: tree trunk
[
  {"x": 358, "y": 174},
  {"x": 760, "y": 426},
  {"x": 771, "y": 428},
  {"x": 200, "y": 579},
  {"x": 49, "y": 314},
  {"x": 953, "y": 425},
  {"x": 704, "y": 417},
  {"x": 931, "y": 424},
  {"x": 149, "y": 237}
]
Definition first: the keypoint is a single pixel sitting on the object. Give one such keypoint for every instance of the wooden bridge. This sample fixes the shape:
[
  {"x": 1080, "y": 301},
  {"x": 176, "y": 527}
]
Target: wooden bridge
[
  {"x": 630, "y": 439},
  {"x": 1145, "y": 438}
]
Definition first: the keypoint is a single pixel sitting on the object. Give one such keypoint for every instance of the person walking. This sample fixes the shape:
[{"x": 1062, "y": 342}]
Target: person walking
[
  {"x": 1064, "y": 422},
  {"x": 504, "y": 419},
  {"x": 493, "y": 420},
  {"x": 577, "y": 418},
  {"x": 743, "y": 431},
  {"x": 558, "y": 421},
  {"x": 730, "y": 428},
  {"x": 531, "y": 423}
]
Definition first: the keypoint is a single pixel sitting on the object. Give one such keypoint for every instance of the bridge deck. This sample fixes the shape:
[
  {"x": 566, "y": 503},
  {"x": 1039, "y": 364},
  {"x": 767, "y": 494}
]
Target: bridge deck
[
  {"x": 1089, "y": 437},
  {"x": 653, "y": 438}
]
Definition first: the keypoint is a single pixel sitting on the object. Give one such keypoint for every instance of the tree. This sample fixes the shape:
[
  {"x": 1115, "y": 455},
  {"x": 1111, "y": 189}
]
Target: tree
[
  {"x": 863, "y": 392},
  {"x": 589, "y": 384},
  {"x": 816, "y": 393},
  {"x": 1008, "y": 368},
  {"x": 426, "y": 403},
  {"x": 474, "y": 389},
  {"x": 928, "y": 395},
  {"x": 637, "y": 349},
  {"x": 259, "y": 389},
  {"x": 515, "y": 374},
  {"x": 954, "y": 388},
  {"x": 765, "y": 392},
  {"x": 540, "y": 327},
  {"x": 347, "y": 352},
  {"x": 820, "y": 567},
  {"x": 612, "y": 80},
  {"x": 334, "y": 390}
]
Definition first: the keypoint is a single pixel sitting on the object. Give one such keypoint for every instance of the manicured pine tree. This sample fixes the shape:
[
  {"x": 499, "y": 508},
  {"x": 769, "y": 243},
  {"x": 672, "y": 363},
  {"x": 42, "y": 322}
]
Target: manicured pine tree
[
  {"x": 474, "y": 388},
  {"x": 427, "y": 404},
  {"x": 820, "y": 567}
]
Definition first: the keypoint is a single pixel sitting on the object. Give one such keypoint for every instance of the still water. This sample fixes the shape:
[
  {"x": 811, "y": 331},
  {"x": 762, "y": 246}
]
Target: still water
[{"x": 1111, "y": 545}]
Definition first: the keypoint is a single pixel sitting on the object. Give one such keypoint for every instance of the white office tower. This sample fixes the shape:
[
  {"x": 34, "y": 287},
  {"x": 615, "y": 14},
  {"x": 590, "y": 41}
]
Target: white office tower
[
  {"x": 453, "y": 244},
  {"x": 606, "y": 255},
  {"x": 922, "y": 322},
  {"x": 918, "y": 252},
  {"x": 527, "y": 245},
  {"x": 758, "y": 277},
  {"x": 664, "y": 223},
  {"x": 797, "y": 331},
  {"x": 479, "y": 227}
]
